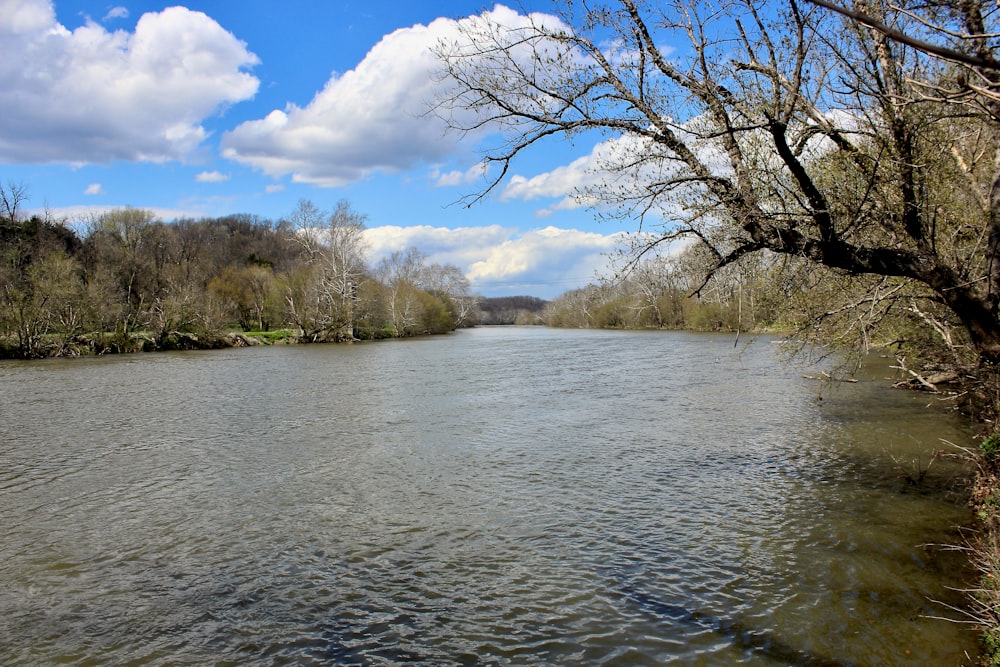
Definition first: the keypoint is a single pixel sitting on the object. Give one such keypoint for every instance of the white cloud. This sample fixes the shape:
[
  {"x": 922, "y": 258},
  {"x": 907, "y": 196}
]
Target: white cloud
[
  {"x": 116, "y": 13},
  {"x": 461, "y": 246},
  {"x": 90, "y": 95},
  {"x": 211, "y": 177},
  {"x": 499, "y": 260},
  {"x": 272, "y": 189},
  {"x": 574, "y": 184},
  {"x": 456, "y": 177},
  {"x": 94, "y": 189},
  {"x": 373, "y": 118},
  {"x": 618, "y": 171},
  {"x": 18, "y": 17}
]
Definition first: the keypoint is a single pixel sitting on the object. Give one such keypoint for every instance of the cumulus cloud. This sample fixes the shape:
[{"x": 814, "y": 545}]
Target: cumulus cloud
[
  {"x": 574, "y": 185},
  {"x": 211, "y": 177},
  {"x": 90, "y": 95},
  {"x": 94, "y": 189},
  {"x": 501, "y": 260},
  {"x": 373, "y": 118},
  {"x": 116, "y": 13},
  {"x": 460, "y": 246},
  {"x": 365, "y": 120},
  {"x": 618, "y": 169},
  {"x": 566, "y": 183}
]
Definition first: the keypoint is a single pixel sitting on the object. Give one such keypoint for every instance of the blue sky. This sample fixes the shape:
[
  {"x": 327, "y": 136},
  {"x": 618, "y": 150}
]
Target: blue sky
[{"x": 213, "y": 108}]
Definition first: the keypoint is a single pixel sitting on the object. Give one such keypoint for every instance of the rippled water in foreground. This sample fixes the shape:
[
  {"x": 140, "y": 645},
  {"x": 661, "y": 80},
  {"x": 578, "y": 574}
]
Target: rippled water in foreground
[{"x": 497, "y": 497}]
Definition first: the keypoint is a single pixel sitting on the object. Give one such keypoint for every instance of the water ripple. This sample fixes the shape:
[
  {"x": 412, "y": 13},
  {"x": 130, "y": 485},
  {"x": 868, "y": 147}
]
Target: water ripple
[{"x": 500, "y": 497}]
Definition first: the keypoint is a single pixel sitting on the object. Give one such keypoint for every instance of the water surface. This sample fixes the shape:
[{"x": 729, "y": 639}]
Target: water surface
[{"x": 502, "y": 496}]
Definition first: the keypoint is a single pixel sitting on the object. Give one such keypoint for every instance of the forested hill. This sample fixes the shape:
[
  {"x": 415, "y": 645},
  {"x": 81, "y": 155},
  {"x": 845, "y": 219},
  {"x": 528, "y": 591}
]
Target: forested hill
[{"x": 511, "y": 310}]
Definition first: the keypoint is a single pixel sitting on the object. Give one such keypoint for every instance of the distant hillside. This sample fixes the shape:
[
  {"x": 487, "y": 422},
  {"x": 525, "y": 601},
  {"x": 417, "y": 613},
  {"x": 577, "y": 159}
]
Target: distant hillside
[{"x": 511, "y": 310}]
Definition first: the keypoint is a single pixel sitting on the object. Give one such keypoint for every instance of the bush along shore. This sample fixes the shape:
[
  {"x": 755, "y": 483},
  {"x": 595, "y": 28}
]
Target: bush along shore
[{"x": 98, "y": 344}]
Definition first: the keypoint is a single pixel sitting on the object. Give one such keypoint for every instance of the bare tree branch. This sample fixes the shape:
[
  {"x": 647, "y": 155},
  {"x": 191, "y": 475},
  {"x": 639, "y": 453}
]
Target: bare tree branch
[{"x": 921, "y": 45}]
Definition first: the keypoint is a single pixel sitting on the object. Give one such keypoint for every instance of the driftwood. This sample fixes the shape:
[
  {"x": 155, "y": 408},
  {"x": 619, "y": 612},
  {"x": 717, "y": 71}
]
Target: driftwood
[
  {"x": 930, "y": 382},
  {"x": 826, "y": 377}
]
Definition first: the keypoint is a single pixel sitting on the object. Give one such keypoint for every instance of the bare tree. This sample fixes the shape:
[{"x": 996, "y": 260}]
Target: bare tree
[
  {"x": 12, "y": 197},
  {"x": 321, "y": 295},
  {"x": 784, "y": 128},
  {"x": 401, "y": 273},
  {"x": 448, "y": 281}
]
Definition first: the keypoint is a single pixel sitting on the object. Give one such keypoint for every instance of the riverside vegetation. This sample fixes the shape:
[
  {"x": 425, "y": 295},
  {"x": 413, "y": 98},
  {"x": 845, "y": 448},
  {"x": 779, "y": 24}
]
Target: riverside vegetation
[{"x": 132, "y": 282}]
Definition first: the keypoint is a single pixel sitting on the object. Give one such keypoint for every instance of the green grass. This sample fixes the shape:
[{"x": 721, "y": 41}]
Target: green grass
[{"x": 271, "y": 337}]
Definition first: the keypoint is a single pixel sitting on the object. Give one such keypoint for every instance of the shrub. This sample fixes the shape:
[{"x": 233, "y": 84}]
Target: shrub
[{"x": 990, "y": 447}]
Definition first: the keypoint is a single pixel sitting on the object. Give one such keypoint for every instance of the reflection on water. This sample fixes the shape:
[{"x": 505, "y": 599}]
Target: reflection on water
[{"x": 499, "y": 497}]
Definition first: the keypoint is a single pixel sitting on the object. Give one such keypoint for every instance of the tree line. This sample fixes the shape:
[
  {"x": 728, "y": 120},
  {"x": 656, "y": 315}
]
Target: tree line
[{"x": 129, "y": 281}]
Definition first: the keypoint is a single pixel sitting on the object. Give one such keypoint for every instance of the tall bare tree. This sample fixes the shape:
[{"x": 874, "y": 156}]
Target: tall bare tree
[
  {"x": 321, "y": 295},
  {"x": 780, "y": 127}
]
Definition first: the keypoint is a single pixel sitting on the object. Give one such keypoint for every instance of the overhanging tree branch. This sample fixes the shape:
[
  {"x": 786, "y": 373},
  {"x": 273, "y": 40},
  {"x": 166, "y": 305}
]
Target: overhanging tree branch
[{"x": 901, "y": 37}]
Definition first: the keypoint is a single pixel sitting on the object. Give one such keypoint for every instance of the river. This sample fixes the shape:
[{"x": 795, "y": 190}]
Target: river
[{"x": 500, "y": 496}]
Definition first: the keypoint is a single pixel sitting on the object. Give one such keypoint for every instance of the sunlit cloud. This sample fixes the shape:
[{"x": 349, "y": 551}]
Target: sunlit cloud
[
  {"x": 94, "y": 189},
  {"x": 374, "y": 118},
  {"x": 457, "y": 177},
  {"x": 616, "y": 170},
  {"x": 369, "y": 119},
  {"x": 573, "y": 185},
  {"x": 502, "y": 260},
  {"x": 90, "y": 95}
]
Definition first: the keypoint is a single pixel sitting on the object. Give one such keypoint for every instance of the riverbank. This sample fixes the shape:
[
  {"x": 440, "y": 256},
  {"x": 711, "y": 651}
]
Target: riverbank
[
  {"x": 98, "y": 344},
  {"x": 984, "y": 549},
  {"x": 976, "y": 393}
]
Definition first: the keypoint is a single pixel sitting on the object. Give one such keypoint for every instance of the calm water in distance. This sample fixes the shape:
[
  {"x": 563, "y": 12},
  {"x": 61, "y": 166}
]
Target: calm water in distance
[{"x": 501, "y": 496}]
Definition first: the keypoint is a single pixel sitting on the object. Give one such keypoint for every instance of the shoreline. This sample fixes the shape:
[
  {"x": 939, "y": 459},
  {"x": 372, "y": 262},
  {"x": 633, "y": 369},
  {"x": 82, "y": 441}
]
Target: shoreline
[{"x": 96, "y": 345}]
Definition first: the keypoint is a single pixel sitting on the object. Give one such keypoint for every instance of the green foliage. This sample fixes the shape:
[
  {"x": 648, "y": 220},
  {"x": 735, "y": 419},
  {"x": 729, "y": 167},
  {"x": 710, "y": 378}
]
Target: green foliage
[
  {"x": 375, "y": 333},
  {"x": 435, "y": 317},
  {"x": 990, "y": 641},
  {"x": 609, "y": 315},
  {"x": 710, "y": 316},
  {"x": 989, "y": 448},
  {"x": 659, "y": 294}
]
